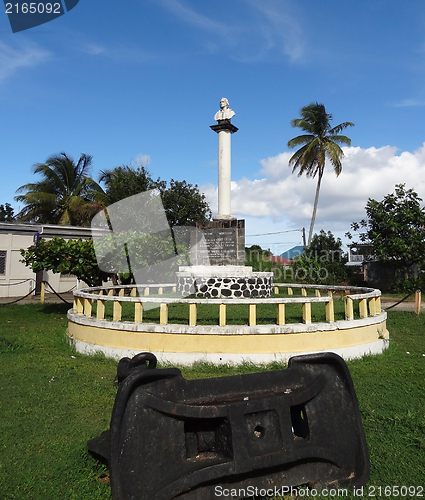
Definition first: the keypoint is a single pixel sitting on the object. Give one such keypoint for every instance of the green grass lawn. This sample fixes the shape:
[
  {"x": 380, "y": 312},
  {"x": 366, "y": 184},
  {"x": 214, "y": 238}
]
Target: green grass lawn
[{"x": 54, "y": 400}]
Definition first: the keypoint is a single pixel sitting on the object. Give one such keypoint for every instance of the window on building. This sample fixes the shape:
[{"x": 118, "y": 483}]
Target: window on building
[{"x": 3, "y": 254}]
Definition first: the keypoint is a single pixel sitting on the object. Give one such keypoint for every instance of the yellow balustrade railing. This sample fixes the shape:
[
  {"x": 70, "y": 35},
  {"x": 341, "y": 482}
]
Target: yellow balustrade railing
[{"x": 367, "y": 300}]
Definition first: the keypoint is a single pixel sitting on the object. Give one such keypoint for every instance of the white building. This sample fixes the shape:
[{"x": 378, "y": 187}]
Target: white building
[{"x": 17, "y": 280}]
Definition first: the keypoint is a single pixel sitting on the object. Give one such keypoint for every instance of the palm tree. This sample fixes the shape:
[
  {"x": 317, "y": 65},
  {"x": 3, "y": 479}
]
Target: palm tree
[
  {"x": 66, "y": 195},
  {"x": 320, "y": 141}
]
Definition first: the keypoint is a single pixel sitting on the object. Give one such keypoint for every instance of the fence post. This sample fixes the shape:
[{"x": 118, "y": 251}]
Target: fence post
[
  {"x": 307, "y": 312},
  {"x": 372, "y": 306},
  {"x": 163, "y": 314},
  {"x": 252, "y": 321},
  {"x": 418, "y": 301},
  {"x": 280, "y": 314},
  {"x": 330, "y": 314},
  {"x": 87, "y": 307},
  {"x": 349, "y": 311},
  {"x": 222, "y": 315},
  {"x": 117, "y": 311},
  {"x": 80, "y": 305},
  {"x": 192, "y": 314},
  {"x": 100, "y": 311},
  {"x": 138, "y": 312},
  {"x": 363, "y": 308},
  {"x": 42, "y": 292}
]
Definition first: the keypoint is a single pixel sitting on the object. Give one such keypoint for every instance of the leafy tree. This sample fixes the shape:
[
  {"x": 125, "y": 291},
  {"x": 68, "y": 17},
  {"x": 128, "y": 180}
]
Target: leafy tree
[
  {"x": 323, "y": 262},
  {"x": 126, "y": 180},
  {"x": 66, "y": 194},
  {"x": 68, "y": 257},
  {"x": 306, "y": 268},
  {"x": 326, "y": 248},
  {"x": 395, "y": 227},
  {"x": 258, "y": 258},
  {"x": 184, "y": 204},
  {"x": 320, "y": 141},
  {"x": 123, "y": 253},
  {"x": 6, "y": 213}
]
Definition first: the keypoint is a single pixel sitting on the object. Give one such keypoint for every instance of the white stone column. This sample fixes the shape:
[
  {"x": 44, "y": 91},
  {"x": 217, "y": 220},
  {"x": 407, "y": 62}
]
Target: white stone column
[
  {"x": 224, "y": 175},
  {"x": 224, "y": 129}
]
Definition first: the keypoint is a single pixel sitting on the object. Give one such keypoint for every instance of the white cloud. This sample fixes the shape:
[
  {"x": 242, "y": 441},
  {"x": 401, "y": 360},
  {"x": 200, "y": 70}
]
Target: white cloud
[
  {"x": 93, "y": 49},
  {"x": 142, "y": 160},
  {"x": 21, "y": 55},
  {"x": 264, "y": 30},
  {"x": 409, "y": 103},
  {"x": 192, "y": 17},
  {"x": 282, "y": 196},
  {"x": 118, "y": 53},
  {"x": 280, "y": 28}
]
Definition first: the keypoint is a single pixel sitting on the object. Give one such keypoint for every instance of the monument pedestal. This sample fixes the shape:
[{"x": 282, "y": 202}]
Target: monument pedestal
[
  {"x": 224, "y": 281},
  {"x": 224, "y": 243},
  {"x": 218, "y": 261}
]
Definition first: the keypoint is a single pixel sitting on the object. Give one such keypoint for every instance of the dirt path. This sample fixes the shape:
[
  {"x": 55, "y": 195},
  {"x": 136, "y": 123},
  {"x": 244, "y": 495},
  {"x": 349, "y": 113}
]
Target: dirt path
[
  {"x": 407, "y": 305},
  {"x": 50, "y": 298}
]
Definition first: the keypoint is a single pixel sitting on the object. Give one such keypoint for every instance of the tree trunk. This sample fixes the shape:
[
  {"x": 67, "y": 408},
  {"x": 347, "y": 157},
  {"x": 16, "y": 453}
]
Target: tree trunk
[{"x": 316, "y": 201}]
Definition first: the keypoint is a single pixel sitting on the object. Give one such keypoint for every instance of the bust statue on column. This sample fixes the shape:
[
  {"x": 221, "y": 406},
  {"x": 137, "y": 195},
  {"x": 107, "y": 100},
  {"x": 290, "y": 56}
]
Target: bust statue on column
[{"x": 225, "y": 112}]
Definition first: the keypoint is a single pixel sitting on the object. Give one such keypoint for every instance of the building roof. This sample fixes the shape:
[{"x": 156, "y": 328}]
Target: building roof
[
  {"x": 46, "y": 230},
  {"x": 293, "y": 252}
]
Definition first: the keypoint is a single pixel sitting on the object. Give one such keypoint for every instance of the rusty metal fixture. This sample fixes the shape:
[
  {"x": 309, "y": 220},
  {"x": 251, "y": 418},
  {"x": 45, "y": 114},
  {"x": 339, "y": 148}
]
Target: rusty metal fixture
[
  {"x": 175, "y": 438},
  {"x": 127, "y": 366}
]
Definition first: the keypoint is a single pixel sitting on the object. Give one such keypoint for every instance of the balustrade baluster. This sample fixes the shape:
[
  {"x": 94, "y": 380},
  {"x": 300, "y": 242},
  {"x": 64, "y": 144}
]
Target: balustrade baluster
[
  {"x": 252, "y": 316},
  {"x": 117, "y": 313}
]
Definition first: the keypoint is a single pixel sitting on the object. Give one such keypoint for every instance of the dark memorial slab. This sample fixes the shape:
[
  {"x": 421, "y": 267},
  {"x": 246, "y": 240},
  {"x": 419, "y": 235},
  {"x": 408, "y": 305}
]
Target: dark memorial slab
[{"x": 225, "y": 243}]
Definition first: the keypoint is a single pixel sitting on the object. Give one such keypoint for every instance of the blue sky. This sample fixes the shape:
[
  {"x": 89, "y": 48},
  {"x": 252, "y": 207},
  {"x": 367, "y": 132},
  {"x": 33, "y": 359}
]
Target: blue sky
[{"x": 141, "y": 80}]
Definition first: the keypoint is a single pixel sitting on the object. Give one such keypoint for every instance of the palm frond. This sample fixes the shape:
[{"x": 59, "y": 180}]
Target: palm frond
[
  {"x": 340, "y": 139},
  {"x": 339, "y": 128},
  {"x": 300, "y": 140},
  {"x": 303, "y": 125}
]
